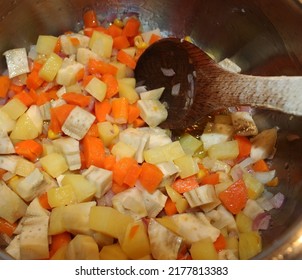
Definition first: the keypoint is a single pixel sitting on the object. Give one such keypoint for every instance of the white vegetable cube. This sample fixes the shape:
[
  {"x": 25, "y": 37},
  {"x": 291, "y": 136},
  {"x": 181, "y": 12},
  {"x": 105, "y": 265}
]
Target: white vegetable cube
[
  {"x": 78, "y": 123},
  {"x": 101, "y": 44},
  {"x": 46, "y": 44},
  {"x": 9, "y": 163},
  {"x": 34, "y": 114},
  {"x": 84, "y": 55},
  {"x": 51, "y": 67},
  {"x": 67, "y": 75},
  {"x": 127, "y": 91},
  {"x": 17, "y": 62},
  {"x": 187, "y": 166},
  {"x": 168, "y": 168},
  {"x": 54, "y": 164},
  {"x": 153, "y": 112},
  {"x": 202, "y": 195},
  {"x": 6, "y": 122},
  {"x": 101, "y": 178},
  {"x": 154, "y": 202},
  {"x": 6, "y": 146},
  {"x": 67, "y": 42},
  {"x": 8, "y": 199},
  {"x": 14, "y": 108},
  {"x": 97, "y": 88}
]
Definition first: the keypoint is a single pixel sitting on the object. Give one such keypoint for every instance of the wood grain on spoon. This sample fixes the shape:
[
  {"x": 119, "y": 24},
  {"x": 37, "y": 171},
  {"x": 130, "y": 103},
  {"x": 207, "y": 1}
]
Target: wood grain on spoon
[{"x": 195, "y": 85}]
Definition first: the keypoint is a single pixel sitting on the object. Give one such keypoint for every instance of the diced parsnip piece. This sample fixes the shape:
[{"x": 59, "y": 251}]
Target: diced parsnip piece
[
  {"x": 67, "y": 74},
  {"x": 112, "y": 252},
  {"x": 14, "y": 108},
  {"x": 154, "y": 202},
  {"x": 263, "y": 144},
  {"x": 135, "y": 242},
  {"x": 24, "y": 129},
  {"x": 101, "y": 44},
  {"x": 82, "y": 247},
  {"x": 78, "y": 123},
  {"x": 67, "y": 42},
  {"x": 201, "y": 195},
  {"x": 152, "y": 94},
  {"x": 13, "y": 248},
  {"x": 54, "y": 164},
  {"x": 127, "y": 91},
  {"x": 104, "y": 219},
  {"x": 254, "y": 187},
  {"x": 83, "y": 189},
  {"x": 164, "y": 244},
  {"x": 168, "y": 168},
  {"x": 244, "y": 124},
  {"x": 6, "y": 145},
  {"x": 61, "y": 196},
  {"x": 28, "y": 188},
  {"x": 76, "y": 218},
  {"x": 190, "y": 144},
  {"x": 101, "y": 178},
  {"x": 56, "y": 223},
  {"x": 187, "y": 166},
  {"x": 8, "y": 199},
  {"x": 153, "y": 112},
  {"x": 46, "y": 44},
  {"x": 121, "y": 149},
  {"x": 203, "y": 250},
  {"x": 6, "y": 122},
  {"x": 34, "y": 238},
  {"x": 130, "y": 202},
  {"x": 51, "y": 67},
  {"x": 84, "y": 55},
  {"x": 108, "y": 132},
  {"x": 215, "y": 133},
  {"x": 244, "y": 223},
  {"x": 249, "y": 245},
  {"x": 180, "y": 202},
  {"x": 17, "y": 62},
  {"x": 224, "y": 151}
]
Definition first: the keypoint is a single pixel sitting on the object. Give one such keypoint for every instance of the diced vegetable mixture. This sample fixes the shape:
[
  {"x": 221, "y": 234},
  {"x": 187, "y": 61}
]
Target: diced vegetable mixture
[{"x": 87, "y": 172}]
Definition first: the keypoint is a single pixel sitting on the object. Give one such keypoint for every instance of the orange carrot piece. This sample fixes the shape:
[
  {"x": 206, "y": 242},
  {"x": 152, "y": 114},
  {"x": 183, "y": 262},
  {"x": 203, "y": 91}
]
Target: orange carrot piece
[
  {"x": 211, "y": 179},
  {"x": 121, "y": 168},
  {"x": 4, "y": 86},
  {"x": 244, "y": 145},
  {"x": 133, "y": 112},
  {"x": 93, "y": 130},
  {"x": 120, "y": 110},
  {"x": 220, "y": 243},
  {"x": 102, "y": 109},
  {"x": 80, "y": 75},
  {"x": 121, "y": 42},
  {"x": 30, "y": 149},
  {"x": 109, "y": 162},
  {"x": 76, "y": 99},
  {"x": 58, "y": 241},
  {"x": 94, "y": 151},
  {"x": 88, "y": 31},
  {"x": 2, "y": 172},
  {"x": 185, "y": 185},
  {"x": 7, "y": 227},
  {"x": 260, "y": 166},
  {"x": 112, "y": 85},
  {"x": 234, "y": 198},
  {"x": 33, "y": 80},
  {"x": 87, "y": 79},
  {"x": 116, "y": 188},
  {"x": 100, "y": 67},
  {"x": 131, "y": 27},
  {"x": 132, "y": 175},
  {"x": 138, "y": 122},
  {"x": 16, "y": 89},
  {"x": 114, "y": 31},
  {"x": 127, "y": 59},
  {"x": 58, "y": 115},
  {"x": 170, "y": 207},
  {"x": 43, "y": 199},
  {"x": 74, "y": 41},
  {"x": 90, "y": 18},
  {"x": 58, "y": 46},
  {"x": 154, "y": 38},
  {"x": 25, "y": 98},
  {"x": 150, "y": 176}
]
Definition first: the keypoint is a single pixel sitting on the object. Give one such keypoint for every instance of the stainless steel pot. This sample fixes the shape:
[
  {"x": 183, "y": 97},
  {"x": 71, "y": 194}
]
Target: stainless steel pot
[{"x": 263, "y": 37}]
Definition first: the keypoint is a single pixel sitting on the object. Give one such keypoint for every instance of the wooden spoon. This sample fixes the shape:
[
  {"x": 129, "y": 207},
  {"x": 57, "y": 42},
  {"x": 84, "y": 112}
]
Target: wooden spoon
[{"x": 196, "y": 86}]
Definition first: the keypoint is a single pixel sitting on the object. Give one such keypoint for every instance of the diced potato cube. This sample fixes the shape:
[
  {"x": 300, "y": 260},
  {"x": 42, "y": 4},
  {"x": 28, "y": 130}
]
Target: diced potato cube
[
  {"x": 108, "y": 132},
  {"x": 14, "y": 108},
  {"x": 244, "y": 223},
  {"x": 51, "y": 67},
  {"x": 121, "y": 149},
  {"x": 135, "y": 243},
  {"x": 6, "y": 122},
  {"x": 223, "y": 151},
  {"x": 24, "y": 167},
  {"x": 249, "y": 245},
  {"x": 180, "y": 202},
  {"x": 203, "y": 250},
  {"x": 24, "y": 129},
  {"x": 60, "y": 253},
  {"x": 187, "y": 166},
  {"x": 83, "y": 189},
  {"x": 56, "y": 223},
  {"x": 254, "y": 187},
  {"x": 101, "y": 44},
  {"x": 190, "y": 144},
  {"x": 67, "y": 74},
  {"x": 104, "y": 219},
  {"x": 97, "y": 88},
  {"x": 112, "y": 252},
  {"x": 82, "y": 247},
  {"x": 46, "y": 44},
  {"x": 54, "y": 164},
  {"x": 121, "y": 69},
  {"x": 128, "y": 81},
  {"x": 127, "y": 91},
  {"x": 61, "y": 196},
  {"x": 84, "y": 55}
]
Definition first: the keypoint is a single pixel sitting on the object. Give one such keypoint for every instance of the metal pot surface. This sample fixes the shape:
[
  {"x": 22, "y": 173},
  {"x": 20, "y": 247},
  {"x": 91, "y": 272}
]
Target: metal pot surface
[{"x": 263, "y": 37}]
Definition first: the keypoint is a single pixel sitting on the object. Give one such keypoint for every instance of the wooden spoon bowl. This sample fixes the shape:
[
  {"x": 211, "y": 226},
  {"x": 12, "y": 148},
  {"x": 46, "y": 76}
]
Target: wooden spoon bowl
[{"x": 196, "y": 86}]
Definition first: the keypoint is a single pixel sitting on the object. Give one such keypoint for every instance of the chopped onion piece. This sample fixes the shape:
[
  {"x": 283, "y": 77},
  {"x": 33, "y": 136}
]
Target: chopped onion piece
[
  {"x": 168, "y": 72},
  {"x": 261, "y": 222},
  {"x": 277, "y": 200},
  {"x": 175, "y": 89}
]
